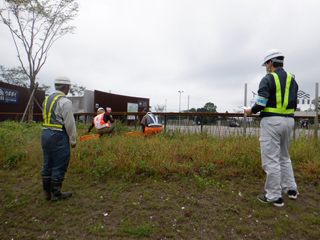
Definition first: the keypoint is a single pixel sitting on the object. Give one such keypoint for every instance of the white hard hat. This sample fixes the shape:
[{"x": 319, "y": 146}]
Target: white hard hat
[
  {"x": 101, "y": 110},
  {"x": 271, "y": 54},
  {"x": 62, "y": 80}
]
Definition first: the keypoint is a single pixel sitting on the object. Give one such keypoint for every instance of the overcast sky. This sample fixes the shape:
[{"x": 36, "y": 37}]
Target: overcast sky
[{"x": 207, "y": 49}]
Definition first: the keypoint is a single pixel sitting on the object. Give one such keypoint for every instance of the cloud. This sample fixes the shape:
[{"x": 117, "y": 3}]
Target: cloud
[{"x": 208, "y": 49}]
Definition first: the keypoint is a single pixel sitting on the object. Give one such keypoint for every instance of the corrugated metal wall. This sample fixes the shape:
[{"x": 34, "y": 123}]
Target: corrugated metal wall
[
  {"x": 118, "y": 103},
  {"x": 22, "y": 103}
]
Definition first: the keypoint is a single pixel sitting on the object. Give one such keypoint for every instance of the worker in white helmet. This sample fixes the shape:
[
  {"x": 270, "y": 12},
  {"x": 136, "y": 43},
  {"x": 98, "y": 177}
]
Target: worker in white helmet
[
  {"x": 103, "y": 122},
  {"x": 150, "y": 124},
  {"x": 276, "y": 102},
  {"x": 59, "y": 132}
]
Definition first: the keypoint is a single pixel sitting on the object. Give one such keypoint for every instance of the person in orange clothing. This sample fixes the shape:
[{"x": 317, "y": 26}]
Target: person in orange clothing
[
  {"x": 103, "y": 122},
  {"x": 150, "y": 124}
]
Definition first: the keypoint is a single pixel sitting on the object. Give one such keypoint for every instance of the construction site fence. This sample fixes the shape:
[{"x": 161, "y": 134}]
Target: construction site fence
[{"x": 218, "y": 124}]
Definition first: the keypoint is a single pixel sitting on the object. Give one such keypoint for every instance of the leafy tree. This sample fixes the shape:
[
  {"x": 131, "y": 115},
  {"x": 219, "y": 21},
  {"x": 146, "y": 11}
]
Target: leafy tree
[
  {"x": 14, "y": 76},
  {"x": 210, "y": 107},
  {"x": 75, "y": 89},
  {"x": 191, "y": 110},
  {"x": 34, "y": 26},
  {"x": 18, "y": 77},
  {"x": 45, "y": 88}
]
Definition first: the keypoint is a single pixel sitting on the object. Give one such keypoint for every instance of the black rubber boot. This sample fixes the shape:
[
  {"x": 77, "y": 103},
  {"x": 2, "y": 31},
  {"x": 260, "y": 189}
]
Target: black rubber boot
[
  {"x": 56, "y": 185},
  {"x": 46, "y": 182}
]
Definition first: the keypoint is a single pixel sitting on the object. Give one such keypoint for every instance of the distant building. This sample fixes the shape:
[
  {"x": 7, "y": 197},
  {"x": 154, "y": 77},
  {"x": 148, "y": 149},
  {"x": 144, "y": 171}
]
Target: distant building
[
  {"x": 304, "y": 101},
  {"x": 92, "y": 100}
]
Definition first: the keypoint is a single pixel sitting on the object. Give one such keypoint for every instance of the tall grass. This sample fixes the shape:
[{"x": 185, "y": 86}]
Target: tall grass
[
  {"x": 173, "y": 185},
  {"x": 164, "y": 154}
]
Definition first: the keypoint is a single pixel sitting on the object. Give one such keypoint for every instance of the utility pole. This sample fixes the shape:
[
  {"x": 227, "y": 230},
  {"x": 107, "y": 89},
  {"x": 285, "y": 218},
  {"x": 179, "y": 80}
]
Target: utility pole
[
  {"x": 165, "y": 108},
  {"x": 179, "y": 104}
]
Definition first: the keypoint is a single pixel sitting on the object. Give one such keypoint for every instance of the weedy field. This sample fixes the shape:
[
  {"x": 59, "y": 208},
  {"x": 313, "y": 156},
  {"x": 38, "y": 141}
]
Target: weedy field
[{"x": 168, "y": 186}]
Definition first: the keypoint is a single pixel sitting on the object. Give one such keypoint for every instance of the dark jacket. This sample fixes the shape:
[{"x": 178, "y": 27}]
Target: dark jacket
[{"x": 267, "y": 90}]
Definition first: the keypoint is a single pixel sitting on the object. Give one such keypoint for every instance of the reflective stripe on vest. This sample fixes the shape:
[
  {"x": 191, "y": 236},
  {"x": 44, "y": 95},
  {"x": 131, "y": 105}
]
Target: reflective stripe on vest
[
  {"x": 154, "y": 121},
  {"x": 281, "y": 109},
  {"x": 99, "y": 123},
  {"x": 47, "y": 116}
]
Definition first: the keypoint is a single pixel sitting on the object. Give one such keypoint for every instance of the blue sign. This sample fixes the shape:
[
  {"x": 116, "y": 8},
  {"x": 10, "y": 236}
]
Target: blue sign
[{"x": 9, "y": 96}]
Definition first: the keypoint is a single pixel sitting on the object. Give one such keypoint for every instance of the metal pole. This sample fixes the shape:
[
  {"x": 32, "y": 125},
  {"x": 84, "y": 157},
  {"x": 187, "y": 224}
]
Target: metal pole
[
  {"x": 180, "y": 105},
  {"x": 188, "y": 103},
  {"x": 166, "y": 106},
  {"x": 179, "y": 101},
  {"x": 135, "y": 122},
  {"x": 245, "y": 115},
  {"x": 316, "y": 104}
]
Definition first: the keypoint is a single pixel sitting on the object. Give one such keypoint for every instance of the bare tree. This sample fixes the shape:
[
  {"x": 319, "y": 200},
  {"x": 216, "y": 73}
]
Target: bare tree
[
  {"x": 159, "y": 108},
  {"x": 34, "y": 26}
]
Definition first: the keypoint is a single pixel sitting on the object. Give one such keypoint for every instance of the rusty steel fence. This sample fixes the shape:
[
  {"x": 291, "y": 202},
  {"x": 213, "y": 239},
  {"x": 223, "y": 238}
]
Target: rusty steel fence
[{"x": 218, "y": 124}]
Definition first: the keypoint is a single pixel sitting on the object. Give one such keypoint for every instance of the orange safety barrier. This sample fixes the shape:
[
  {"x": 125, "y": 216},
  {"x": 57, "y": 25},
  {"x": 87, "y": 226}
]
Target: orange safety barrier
[
  {"x": 147, "y": 131},
  {"x": 89, "y": 137},
  {"x": 129, "y": 134}
]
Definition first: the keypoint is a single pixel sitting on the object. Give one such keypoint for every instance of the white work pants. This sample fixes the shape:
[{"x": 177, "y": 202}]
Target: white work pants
[{"x": 274, "y": 142}]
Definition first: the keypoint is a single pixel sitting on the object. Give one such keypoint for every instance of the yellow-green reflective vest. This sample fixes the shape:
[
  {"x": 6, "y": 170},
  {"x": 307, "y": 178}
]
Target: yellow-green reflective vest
[
  {"x": 281, "y": 108},
  {"x": 48, "y": 112}
]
